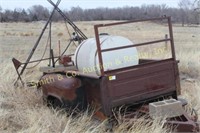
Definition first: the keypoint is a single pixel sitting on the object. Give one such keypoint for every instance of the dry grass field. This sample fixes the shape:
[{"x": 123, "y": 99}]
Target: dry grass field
[{"x": 22, "y": 109}]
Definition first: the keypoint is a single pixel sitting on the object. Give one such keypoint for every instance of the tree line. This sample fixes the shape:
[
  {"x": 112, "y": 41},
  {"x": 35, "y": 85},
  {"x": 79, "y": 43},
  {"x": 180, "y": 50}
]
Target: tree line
[{"x": 187, "y": 13}]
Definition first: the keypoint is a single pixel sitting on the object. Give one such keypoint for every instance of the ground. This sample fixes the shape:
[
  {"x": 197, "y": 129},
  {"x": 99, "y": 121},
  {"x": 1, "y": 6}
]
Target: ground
[{"x": 22, "y": 109}]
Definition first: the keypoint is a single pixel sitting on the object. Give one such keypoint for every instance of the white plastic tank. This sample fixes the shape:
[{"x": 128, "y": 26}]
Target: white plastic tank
[{"x": 86, "y": 57}]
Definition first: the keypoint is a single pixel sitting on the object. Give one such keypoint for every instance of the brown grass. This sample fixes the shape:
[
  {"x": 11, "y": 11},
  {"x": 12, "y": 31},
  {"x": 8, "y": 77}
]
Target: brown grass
[
  {"x": 23, "y": 110},
  {"x": 60, "y": 34}
]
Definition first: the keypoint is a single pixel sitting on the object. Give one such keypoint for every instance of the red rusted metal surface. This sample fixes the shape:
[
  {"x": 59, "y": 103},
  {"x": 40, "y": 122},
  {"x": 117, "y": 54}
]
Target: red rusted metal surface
[
  {"x": 135, "y": 45},
  {"x": 65, "y": 60},
  {"x": 171, "y": 37},
  {"x": 59, "y": 86},
  {"x": 132, "y": 86},
  {"x": 99, "y": 51},
  {"x": 183, "y": 123},
  {"x": 150, "y": 80},
  {"x": 139, "y": 84}
]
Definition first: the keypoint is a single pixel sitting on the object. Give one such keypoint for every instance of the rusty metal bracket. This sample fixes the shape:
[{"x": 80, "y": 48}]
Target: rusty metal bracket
[{"x": 17, "y": 64}]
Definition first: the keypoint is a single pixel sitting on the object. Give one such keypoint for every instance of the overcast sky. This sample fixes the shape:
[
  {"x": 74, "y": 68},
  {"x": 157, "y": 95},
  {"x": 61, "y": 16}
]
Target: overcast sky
[{"x": 67, "y": 4}]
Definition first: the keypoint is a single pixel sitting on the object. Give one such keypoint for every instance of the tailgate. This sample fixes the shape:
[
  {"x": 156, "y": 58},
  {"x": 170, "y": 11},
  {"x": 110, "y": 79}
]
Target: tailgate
[{"x": 141, "y": 83}]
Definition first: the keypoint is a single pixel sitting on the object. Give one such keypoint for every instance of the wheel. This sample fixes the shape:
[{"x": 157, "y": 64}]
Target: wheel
[{"x": 54, "y": 102}]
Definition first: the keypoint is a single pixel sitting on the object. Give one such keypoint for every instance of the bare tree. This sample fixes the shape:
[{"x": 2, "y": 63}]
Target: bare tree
[
  {"x": 196, "y": 9},
  {"x": 185, "y": 6},
  {"x": 77, "y": 13},
  {"x": 197, "y": 4},
  {"x": 38, "y": 12},
  {"x": 1, "y": 14},
  {"x": 186, "y": 14},
  {"x": 24, "y": 16},
  {"x": 16, "y": 14}
]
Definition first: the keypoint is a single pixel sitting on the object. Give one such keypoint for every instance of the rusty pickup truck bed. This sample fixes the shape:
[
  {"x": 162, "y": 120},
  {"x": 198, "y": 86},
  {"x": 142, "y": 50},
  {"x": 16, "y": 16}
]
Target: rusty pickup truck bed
[{"x": 133, "y": 85}]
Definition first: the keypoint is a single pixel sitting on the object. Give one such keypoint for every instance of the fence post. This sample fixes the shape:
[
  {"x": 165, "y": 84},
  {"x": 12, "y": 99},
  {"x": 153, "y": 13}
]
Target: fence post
[{"x": 166, "y": 42}]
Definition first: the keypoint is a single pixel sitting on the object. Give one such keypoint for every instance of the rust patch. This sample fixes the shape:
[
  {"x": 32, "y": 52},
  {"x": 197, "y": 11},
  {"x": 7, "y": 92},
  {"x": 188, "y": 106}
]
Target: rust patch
[
  {"x": 99, "y": 115},
  {"x": 60, "y": 85}
]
